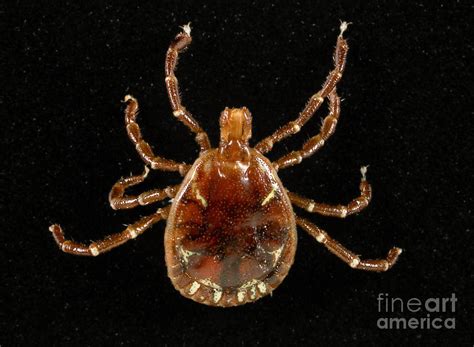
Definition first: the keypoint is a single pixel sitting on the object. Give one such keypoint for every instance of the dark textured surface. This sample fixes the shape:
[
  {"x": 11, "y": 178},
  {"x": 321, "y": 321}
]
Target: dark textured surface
[{"x": 408, "y": 96}]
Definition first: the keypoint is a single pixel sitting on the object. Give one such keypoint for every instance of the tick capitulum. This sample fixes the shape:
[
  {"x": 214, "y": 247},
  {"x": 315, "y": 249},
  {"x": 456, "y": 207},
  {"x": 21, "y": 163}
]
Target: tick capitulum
[{"x": 230, "y": 236}]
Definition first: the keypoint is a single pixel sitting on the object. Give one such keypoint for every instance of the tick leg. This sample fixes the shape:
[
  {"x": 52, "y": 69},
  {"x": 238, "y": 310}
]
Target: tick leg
[
  {"x": 142, "y": 147},
  {"x": 119, "y": 201},
  {"x": 341, "y": 211},
  {"x": 179, "y": 44},
  {"x": 316, "y": 142},
  {"x": 315, "y": 101},
  {"x": 346, "y": 255},
  {"x": 109, "y": 242}
]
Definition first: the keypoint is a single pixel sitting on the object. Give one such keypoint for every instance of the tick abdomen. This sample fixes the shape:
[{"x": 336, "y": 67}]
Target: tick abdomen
[{"x": 231, "y": 234}]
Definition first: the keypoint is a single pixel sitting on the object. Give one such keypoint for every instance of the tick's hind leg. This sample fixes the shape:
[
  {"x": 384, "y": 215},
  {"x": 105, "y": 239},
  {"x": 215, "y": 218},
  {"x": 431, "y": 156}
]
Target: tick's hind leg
[
  {"x": 119, "y": 201},
  {"x": 315, "y": 101},
  {"x": 341, "y": 211},
  {"x": 109, "y": 242},
  {"x": 346, "y": 255},
  {"x": 179, "y": 44}
]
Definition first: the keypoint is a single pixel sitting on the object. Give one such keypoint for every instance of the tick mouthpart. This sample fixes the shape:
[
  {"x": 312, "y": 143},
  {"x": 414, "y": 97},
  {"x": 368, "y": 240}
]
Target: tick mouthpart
[{"x": 236, "y": 124}]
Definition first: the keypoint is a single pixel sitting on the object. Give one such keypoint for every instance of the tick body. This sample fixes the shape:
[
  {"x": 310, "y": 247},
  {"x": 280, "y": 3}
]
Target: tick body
[
  {"x": 231, "y": 231},
  {"x": 230, "y": 236}
]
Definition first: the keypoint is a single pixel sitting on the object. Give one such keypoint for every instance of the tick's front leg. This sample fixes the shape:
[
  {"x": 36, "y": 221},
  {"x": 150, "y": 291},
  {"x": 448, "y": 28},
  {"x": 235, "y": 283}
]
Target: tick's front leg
[
  {"x": 315, "y": 101},
  {"x": 179, "y": 44}
]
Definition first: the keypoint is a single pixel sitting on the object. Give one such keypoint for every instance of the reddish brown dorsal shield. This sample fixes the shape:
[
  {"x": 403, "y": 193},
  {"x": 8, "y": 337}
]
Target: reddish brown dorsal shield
[{"x": 231, "y": 235}]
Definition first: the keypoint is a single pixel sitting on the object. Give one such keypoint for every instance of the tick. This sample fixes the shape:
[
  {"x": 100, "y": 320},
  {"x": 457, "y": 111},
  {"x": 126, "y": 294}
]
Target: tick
[{"x": 230, "y": 236}]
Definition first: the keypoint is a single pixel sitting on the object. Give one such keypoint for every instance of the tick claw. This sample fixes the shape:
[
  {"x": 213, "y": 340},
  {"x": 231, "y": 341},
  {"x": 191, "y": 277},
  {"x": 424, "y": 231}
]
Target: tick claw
[
  {"x": 127, "y": 98},
  {"x": 187, "y": 28},
  {"x": 363, "y": 171},
  {"x": 343, "y": 27}
]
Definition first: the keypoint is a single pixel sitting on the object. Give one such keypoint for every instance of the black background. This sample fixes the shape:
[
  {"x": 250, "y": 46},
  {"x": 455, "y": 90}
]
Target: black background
[{"x": 406, "y": 112}]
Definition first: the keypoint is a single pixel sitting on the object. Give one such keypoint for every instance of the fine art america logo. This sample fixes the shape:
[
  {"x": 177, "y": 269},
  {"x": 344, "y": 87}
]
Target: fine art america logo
[{"x": 415, "y": 313}]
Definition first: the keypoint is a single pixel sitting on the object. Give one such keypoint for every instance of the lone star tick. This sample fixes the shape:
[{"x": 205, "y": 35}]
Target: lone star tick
[{"x": 230, "y": 236}]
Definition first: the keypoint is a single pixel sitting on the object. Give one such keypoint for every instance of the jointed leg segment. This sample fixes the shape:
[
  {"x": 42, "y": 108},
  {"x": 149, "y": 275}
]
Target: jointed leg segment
[
  {"x": 316, "y": 142},
  {"x": 118, "y": 200},
  {"x": 341, "y": 211},
  {"x": 143, "y": 148},
  {"x": 111, "y": 241},
  {"x": 315, "y": 101},
  {"x": 346, "y": 255},
  {"x": 181, "y": 41}
]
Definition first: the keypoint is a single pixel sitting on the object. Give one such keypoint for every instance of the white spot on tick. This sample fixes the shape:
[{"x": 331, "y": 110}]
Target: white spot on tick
[
  {"x": 217, "y": 295},
  {"x": 262, "y": 287},
  {"x": 209, "y": 283},
  {"x": 344, "y": 212},
  {"x": 310, "y": 207},
  {"x": 179, "y": 112},
  {"x": 270, "y": 195},
  {"x": 253, "y": 293},
  {"x": 320, "y": 237},
  {"x": 133, "y": 233},
  {"x": 276, "y": 254},
  {"x": 354, "y": 262},
  {"x": 201, "y": 198},
  {"x": 194, "y": 288},
  {"x": 318, "y": 98},
  {"x": 241, "y": 295},
  {"x": 185, "y": 254},
  {"x": 248, "y": 284},
  {"x": 94, "y": 250}
]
